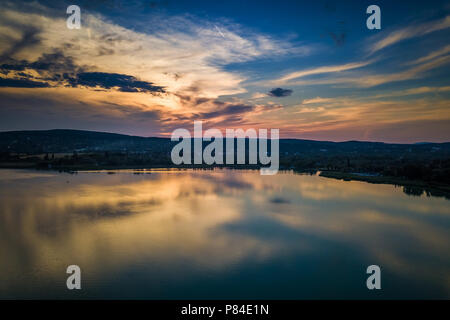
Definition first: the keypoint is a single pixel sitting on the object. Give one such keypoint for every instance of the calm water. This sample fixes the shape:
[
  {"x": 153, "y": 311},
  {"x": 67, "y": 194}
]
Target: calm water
[{"x": 217, "y": 234}]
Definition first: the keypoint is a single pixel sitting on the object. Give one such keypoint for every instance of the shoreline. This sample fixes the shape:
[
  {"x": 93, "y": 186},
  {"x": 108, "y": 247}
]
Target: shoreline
[{"x": 411, "y": 187}]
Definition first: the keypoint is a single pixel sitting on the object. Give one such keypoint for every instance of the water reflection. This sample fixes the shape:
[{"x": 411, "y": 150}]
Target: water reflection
[{"x": 218, "y": 234}]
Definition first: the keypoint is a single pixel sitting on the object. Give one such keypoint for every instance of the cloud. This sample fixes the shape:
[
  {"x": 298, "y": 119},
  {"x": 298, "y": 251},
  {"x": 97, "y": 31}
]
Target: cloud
[
  {"x": 410, "y": 32},
  {"x": 443, "y": 51},
  {"x": 316, "y": 100},
  {"x": 50, "y": 67},
  {"x": 124, "y": 83},
  {"x": 258, "y": 95},
  {"x": 62, "y": 71},
  {"x": 366, "y": 79},
  {"x": 412, "y": 91},
  {"x": 54, "y": 62},
  {"x": 280, "y": 92},
  {"x": 22, "y": 83},
  {"x": 359, "y": 79},
  {"x": 324, "y": 69},
  {"x": 409, "y": 74},
  {"x": 27, "y": 38},
  {"x": 353, "y": 77},
  {"x": 227, "y": 111},
  {"x": 144, "y": 59}
]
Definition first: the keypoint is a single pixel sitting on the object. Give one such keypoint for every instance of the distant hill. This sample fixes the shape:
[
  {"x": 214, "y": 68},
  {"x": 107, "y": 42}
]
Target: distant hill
[
  {"x": 62, "y": 140},
  {"x": 67, "y": 141}
]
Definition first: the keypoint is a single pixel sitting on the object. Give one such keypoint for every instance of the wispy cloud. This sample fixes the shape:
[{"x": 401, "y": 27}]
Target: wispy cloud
[
  {"x": 374, "y": 78},
  {"x": 432, "y": 55},
  {"x": 409, "y": 32},
  {"x": 258, "y": 95},
  {"x": 316, "y": 100},
  {"x": 322, "y": 70},
  {"x": 411, "y": 92},
  {"x": 412, "y": 73}
]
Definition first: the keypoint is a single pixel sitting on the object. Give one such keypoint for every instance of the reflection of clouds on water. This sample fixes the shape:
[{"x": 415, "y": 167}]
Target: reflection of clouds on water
[
  {"x": 216, "y": 221},
  {"x": 120, "y": 222},
  {"x": 23, "y": 174},
  {"x": 279, "y": 200}
]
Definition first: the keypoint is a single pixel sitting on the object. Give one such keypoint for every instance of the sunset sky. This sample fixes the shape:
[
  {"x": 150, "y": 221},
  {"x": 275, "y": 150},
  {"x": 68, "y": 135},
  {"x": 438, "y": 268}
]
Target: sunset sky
[{"x": 312, "y": 69}]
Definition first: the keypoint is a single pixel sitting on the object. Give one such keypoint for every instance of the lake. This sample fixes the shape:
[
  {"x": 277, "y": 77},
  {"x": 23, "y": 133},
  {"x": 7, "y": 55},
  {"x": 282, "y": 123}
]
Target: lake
[{"x": 213, "y": 234}]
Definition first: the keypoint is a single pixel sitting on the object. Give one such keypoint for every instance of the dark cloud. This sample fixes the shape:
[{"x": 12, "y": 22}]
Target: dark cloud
[
  {"x": 52, "y": 62},
  {"x": 124, "y": 83},
  {"x": 55, "y": 62},
  {"x": 50, "y": 66},
  {"x": 195, "y": 101},
  {"x": 65, "y": 72},
  {"x": 227, "y": 111},
  {"x": 280, "y": 92},
  {"x": 22, "y": 83},
  {"x": 29, "y": 38}
]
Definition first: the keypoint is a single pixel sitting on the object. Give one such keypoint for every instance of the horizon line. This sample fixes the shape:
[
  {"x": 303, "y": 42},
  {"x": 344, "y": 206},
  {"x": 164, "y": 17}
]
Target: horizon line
[{"x": 165, "y": 137}]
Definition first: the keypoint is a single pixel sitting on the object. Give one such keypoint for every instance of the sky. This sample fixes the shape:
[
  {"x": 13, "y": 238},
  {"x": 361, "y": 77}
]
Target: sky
[{"x": 313, "y": 70}]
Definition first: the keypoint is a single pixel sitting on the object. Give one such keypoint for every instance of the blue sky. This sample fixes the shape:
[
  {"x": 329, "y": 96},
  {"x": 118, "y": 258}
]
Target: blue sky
[{"x": 311, "y": 69}]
